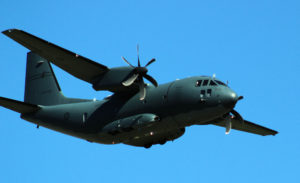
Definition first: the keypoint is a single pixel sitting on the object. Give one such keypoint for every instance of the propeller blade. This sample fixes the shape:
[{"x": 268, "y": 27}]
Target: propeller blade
[
  {"x": 139, "y": 73},
  {"x": 150, "y": 62},
  {"x": 151, "y": 79},
  {"x": 138, "y": 54},
  {"x": 237, "y": 116},
  {"x": 240, "y": 97},
  {"x": 127, "y": 62},
  {"x": 130, "y": 80},
  {"x": 228, "y": 126},
  {"x": 142, "y": 88}
]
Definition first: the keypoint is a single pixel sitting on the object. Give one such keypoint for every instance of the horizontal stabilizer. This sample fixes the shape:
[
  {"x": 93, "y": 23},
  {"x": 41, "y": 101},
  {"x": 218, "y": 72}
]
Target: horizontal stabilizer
[
  {"x": 18, "y": 106},
  {"x": 78, "y": 66},
  {"x": 249, "y": 127}
]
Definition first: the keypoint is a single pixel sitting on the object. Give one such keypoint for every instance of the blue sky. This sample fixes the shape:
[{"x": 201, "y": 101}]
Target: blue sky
[{"x": 252, "y": 44}]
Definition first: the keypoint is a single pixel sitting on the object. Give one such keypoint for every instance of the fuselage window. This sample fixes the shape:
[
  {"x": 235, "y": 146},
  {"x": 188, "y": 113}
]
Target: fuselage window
[
  {"x": 212, "y": 83},
  {"x": 198, "y": 83},
  {"x": 202, "y": 93},
  {"x": 208, "y": 93},
  {"x": 205, "y": 82}
]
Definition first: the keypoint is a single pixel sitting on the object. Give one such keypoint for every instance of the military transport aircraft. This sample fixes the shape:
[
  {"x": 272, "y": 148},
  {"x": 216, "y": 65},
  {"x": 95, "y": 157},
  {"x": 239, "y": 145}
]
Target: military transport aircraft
[{"x": 137, "y": 113}]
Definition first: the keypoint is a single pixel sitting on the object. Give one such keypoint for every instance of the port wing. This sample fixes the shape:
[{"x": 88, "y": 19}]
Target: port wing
[{"x": 78, "y": 66}]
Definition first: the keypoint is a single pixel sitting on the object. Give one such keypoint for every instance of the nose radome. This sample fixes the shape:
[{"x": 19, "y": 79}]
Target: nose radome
[{"x": 230, "y": 98}]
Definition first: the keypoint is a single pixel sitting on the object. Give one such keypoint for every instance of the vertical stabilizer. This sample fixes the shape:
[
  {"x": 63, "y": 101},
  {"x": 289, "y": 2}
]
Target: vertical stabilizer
[{"x": 41, "y": 86}]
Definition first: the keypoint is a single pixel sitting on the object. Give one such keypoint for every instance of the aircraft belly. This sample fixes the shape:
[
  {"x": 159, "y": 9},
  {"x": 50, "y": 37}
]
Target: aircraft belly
[
  {"x": 67, "y": 131},
  {"x": 67, "y": 119},
  {"x": 200, "y": 116},
  {"x": 157, "y": 133},
  {"x": 155, "y": 136}
]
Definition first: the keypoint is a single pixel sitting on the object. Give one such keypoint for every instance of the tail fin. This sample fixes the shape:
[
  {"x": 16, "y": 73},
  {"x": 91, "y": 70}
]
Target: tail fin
[{"x": 41, "y": 86}]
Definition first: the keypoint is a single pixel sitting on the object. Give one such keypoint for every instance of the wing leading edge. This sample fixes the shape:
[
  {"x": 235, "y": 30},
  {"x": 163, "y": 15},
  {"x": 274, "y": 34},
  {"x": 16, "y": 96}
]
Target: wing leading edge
[
  {"x": 249, "y": 127},
  {"x": 78, "y": 66}
]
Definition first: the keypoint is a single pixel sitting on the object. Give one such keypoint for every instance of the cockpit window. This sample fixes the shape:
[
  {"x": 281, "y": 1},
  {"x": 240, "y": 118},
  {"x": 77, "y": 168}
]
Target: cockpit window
[
  {"x": 220, "y": 82},
  {"x": 198, "y": 83},
  {"x": 212, "y": 83},
  {"x": 205, "y": 82}
]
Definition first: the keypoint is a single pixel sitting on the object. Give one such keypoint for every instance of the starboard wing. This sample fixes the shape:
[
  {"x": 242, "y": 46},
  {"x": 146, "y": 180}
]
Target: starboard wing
[
  {"x": 249, "y": 127},
  {"x": 78, "y": 66}
]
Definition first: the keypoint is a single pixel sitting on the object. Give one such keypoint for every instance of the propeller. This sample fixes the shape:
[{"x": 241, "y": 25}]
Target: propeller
[
  {"x": 138, "y": 74},
  {"x": 235, "y": 116},
  {"x": 228, "y": 125}
]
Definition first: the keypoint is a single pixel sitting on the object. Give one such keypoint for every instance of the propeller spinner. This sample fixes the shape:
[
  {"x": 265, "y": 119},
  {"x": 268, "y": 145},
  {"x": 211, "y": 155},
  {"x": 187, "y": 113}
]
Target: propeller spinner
[{"x": 138, "y": 74}]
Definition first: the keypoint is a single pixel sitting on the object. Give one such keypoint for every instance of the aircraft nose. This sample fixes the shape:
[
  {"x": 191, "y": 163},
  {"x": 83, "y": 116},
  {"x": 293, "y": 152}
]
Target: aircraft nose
[{"x": 229, "y": 98}]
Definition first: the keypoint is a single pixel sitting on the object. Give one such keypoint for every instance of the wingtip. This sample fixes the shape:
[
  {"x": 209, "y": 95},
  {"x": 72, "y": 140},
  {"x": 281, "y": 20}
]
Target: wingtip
[
  {"x": 273, "y": 133},
  {"x": 9, "y": 31}
]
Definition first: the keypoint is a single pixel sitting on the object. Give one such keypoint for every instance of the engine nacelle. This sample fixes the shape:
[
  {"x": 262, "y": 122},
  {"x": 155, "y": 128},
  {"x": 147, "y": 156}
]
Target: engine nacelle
[
  {"x": 131, "y": 123},
  {"x": 112, "y": 80}
]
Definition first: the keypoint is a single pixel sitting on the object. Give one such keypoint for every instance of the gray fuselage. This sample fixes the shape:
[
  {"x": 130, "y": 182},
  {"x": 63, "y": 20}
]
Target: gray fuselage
[{"x": 178, "y": 104}]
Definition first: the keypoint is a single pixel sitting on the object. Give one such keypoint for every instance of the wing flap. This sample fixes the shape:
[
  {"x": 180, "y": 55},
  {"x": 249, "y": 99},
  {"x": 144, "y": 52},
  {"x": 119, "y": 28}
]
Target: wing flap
[
  {"x": 18, "y": 106},
  {"x": 78, "y": 66},
  {"x": 249, "y": 127}
]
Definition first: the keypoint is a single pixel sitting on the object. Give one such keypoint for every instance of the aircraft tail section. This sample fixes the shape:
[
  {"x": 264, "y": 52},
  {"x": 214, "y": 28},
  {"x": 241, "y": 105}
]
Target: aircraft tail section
[
  {"x": 41, "y": 86},
  {"x": 18, "y": 106}
]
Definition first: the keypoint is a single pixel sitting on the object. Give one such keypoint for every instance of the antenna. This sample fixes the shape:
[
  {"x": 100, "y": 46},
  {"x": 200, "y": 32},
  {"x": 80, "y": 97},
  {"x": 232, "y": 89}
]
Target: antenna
[{"x": 214, "y": 76}]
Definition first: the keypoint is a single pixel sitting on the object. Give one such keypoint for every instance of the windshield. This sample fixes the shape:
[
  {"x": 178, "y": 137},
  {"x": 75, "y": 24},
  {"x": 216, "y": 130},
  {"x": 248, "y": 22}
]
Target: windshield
[
  {"x": 220, "y": 83},
  {"x": 207, "y": 82}
]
